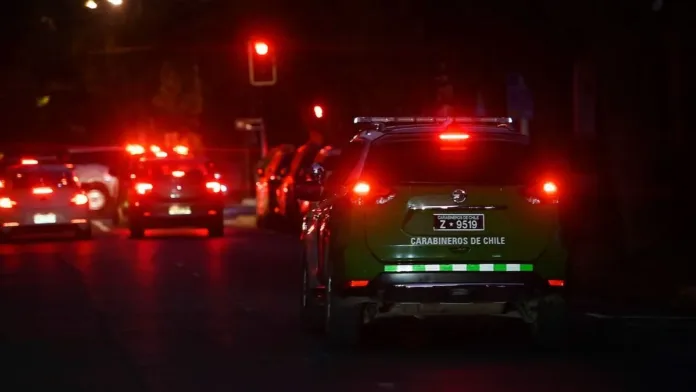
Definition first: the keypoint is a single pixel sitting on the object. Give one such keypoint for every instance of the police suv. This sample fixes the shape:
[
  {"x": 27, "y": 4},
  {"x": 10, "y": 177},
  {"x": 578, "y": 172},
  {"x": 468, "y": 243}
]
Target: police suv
[
  {"x": 38, "y": 197},
  {"x": 433, "y": 216}
]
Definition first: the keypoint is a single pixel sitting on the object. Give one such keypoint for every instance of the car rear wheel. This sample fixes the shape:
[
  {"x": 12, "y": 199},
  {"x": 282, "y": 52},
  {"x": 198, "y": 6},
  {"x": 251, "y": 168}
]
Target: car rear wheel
[
  {"x": 549, "y": 321},
  {"x": 344, "y": 321},
  {"x": 217, "y": 229},
  {"x": 98, "y": 196},
  {"x": 84, "y": 234},
  {"x": 137, "y": 231},
  {"x": 311, "y": 307}
]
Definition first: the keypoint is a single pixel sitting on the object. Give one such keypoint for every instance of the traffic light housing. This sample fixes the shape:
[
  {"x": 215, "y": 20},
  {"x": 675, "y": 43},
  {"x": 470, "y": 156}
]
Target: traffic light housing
[{"x": 262, "y": 64}]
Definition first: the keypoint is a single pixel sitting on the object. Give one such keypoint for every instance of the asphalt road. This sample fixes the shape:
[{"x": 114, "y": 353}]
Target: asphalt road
[{"x": 181, "y": 312}]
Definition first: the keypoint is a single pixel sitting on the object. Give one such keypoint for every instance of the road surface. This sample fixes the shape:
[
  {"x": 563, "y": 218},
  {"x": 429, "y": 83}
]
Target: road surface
[{"x": 180, "y": 312}]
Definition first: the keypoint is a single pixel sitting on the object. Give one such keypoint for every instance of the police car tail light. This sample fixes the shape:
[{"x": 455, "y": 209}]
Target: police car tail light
[
  {"x": 453, "y": 137},
  {"x": 213, "y": 186},
  {"x": 42, "y": 190},
  {"x": 79, "y": 199},
  {"x": 364, "y": 192},
  {"x": 143, "y": 187},
  {"x": 544, "y": 192},
  {"x": 6, "y": 202}
]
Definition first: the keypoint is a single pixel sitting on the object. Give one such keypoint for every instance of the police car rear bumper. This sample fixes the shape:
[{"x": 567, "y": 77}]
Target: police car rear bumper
[{"x": 451, "y": 287}]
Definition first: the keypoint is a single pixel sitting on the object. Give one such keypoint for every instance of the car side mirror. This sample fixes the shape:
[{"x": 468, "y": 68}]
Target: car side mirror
[
  {"x": 316, "y": 174},
  {"x": 311, "y": 188}
]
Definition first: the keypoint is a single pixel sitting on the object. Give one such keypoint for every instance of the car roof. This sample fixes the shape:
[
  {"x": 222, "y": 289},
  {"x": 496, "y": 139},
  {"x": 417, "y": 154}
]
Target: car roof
[
  {"x": 41, "y": 168},
  {"x": 416, "y": 132}
]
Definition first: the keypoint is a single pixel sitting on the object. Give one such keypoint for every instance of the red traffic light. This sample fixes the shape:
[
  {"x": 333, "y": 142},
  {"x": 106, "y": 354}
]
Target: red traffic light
[
  {"x": 261, "y": 48},
  {"x": 318, "y": 111}
]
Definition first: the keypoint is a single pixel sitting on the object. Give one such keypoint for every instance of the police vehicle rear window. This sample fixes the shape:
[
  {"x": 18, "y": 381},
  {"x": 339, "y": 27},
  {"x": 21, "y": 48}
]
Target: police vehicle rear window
[
  {"x": 479, "y": 162},
  {"x": 30, "y": 179}
]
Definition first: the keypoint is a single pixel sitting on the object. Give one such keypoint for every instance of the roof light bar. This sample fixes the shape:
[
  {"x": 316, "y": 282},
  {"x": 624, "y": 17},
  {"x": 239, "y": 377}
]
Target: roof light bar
[{"x": 433, "y": 120}]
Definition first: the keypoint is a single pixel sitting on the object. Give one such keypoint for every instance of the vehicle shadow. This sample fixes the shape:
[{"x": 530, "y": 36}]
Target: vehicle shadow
[{"x": 52, "y": 336}]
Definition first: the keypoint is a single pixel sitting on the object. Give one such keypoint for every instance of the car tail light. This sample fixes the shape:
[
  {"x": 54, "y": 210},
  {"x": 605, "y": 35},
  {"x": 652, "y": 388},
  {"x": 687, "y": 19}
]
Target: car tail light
[
  {"x": 143, "y": 187},
  {"x": 178, "y": 174},
  {"x": 453, "y": 136},
  {"x": 42, "y": 190},
  {"x": 364, "y": 192},
  {"x": 135, "y": 149},
  {"x": 2, "y": 184},
  {"x": 543, "y": 192},
  {"x": 181, "y": 150},
  {"x": 80, "y": 199},
  {"x": 6, "y": 202},
  {"x": 161, "y": 154},
  {"x": 30, "y": 162},
  {"x": 213, "y": 186}
]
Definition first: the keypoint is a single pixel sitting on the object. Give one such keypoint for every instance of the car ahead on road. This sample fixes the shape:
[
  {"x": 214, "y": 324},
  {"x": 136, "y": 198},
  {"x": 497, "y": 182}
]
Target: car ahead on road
[
  {"x": 269, "y": 178},
  {"x": 174, "y": 191},
  {"x": 42, "y": 198},
  {"x": 288, "y": 207},
  {"x": 433, "y": 216},
  {"x": 327, "y": 158}
]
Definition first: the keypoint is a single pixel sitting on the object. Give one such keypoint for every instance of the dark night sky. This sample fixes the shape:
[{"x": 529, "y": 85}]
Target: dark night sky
[{"x": 353, "y": 57}]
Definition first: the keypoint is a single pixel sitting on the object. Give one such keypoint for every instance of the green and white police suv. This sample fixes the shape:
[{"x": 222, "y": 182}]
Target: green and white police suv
[{"x": 433, "y": 216}]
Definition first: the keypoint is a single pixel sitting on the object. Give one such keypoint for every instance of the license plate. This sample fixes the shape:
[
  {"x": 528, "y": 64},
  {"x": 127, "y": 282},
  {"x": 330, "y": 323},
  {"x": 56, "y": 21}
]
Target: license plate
[
  {"x": 179, "y": 210},
  {"x": 459, "y": 222},
  {"x": 41, "y": 219}
]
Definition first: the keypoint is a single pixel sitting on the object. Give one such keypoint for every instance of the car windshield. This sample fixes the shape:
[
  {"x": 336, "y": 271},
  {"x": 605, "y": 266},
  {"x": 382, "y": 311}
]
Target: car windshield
[
  {"x": 483, "y": 162},
  {"x": 25, "y": 179}
]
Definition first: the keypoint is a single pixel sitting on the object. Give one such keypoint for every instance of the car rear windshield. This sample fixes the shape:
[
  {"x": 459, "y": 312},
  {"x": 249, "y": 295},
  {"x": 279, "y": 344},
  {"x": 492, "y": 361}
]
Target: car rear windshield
[
  {"x": 163, "y": 169},
  {"x": 30, "y": 179},
  {"x": 480, "y": 162}
]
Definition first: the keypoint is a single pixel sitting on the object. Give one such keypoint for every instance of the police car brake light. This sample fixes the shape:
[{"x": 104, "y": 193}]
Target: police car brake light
[
  {"x": 550, "y": 188},
  {"x": 6, "y": 202},
  {"x": 545, "y": 192},
  {"x": 29, "y": 161},
  {"x": 178, "y": 174},
  {"x": 365, "y": 193},
  {"x": 42, "y": 190},
  {"x": 453, "y": 136}
]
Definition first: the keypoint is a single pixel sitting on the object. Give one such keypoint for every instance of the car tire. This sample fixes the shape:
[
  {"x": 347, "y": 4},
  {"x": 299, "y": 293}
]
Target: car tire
[
  {"x": 217, "y": 229},
  {"x": 343, "y": 321},
  {"x": 310, "y": 306},
  {"x": 136, "y": 231},
  {"x": 261, "y": 221},
  {"x": 549, "y": 322},
  {"x": 84, "y": 234},
  {"x": 103, "y": 191}
]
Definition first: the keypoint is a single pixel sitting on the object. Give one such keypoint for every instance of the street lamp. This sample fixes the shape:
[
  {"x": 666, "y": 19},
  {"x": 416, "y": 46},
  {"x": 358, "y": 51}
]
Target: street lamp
[
  {"x": 91, "y": 4},
  {"x": 115, "y": 2}
]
